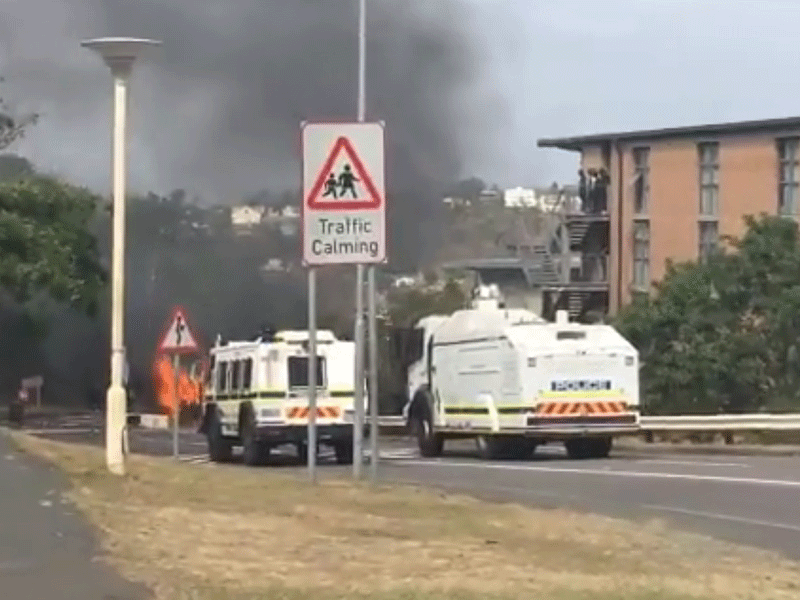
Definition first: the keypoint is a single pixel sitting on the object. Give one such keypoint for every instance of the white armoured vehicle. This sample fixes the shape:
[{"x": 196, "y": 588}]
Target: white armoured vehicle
[
  {"x": 257, "y": 395},
  {"x": 513, "y": 381}
]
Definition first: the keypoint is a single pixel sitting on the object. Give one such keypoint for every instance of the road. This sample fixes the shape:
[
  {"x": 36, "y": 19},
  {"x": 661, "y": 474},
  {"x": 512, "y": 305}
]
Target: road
[
  {"x": 46, "y": 549},
  {"x": 753, "y": 500}
]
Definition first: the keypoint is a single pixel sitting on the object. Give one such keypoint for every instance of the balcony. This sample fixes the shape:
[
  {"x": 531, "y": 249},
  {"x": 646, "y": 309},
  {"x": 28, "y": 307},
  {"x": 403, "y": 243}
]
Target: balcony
[{"x": 590, "y": 276}]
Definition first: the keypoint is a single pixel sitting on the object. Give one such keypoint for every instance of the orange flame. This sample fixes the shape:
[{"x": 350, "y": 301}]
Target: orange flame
[{"x": 190, "y": 389}]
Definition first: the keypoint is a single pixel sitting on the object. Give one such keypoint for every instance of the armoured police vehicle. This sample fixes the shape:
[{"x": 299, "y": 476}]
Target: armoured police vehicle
[{"x": 513, "y": 381}]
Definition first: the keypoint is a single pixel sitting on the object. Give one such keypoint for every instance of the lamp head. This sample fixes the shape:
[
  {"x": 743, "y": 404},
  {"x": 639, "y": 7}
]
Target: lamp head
[{"x": 119, "y": 53}]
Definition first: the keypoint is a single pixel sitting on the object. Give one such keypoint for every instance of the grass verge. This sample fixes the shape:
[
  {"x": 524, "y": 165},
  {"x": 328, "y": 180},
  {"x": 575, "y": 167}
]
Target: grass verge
[{"x": 207, "y": 532}]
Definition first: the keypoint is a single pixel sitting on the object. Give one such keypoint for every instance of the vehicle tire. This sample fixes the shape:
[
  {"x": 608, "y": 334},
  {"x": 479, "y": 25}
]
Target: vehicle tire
[
  {"x": 582, "y": 448},
  {"x": 343, "y": 449},
  {"x": 220, "y": 448},
  {"x": 492, "y": 447},
  {"x": 430, "y": 443},
  {"x": 252, "y": 449},
  {"x": 601, "y": 447},
  {"x": 522, "y": 448}
]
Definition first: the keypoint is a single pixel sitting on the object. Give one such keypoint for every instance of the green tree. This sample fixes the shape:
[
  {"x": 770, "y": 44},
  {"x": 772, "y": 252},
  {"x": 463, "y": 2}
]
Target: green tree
[
  {"x": 46, "y": 244},
  {"x": 723, "y": 336}
]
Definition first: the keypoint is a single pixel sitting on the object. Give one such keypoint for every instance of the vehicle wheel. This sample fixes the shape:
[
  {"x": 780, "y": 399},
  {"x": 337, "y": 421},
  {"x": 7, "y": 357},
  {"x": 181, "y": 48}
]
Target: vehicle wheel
[
  {"x": 491, "y": 447},
  {"x": 600, "y": 447},
  {"x": 220, "y": 449},
  {"x": 579, "y": 448},
  {"x": 522, "y": 448},
  {"x": 252, "y": 450},
  {"x": 430, "y": 443},
  {"x": 343, "y": 449}
]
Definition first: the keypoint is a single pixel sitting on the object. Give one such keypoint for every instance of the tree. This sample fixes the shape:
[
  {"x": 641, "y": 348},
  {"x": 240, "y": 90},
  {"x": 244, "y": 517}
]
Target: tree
[
  {"x": 723, "y": 336},
  {"x": 12, "y": 128},
  {"x": 46, "y": 244}
]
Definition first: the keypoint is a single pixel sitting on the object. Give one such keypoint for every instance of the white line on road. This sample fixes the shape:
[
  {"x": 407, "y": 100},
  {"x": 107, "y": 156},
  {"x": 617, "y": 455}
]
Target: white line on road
[
  {"x": 721, "y": 517},
  {"x": 607, "y": 472},
  {"x": 701, "y": 463},
  {"x": 60, "y": 431}
]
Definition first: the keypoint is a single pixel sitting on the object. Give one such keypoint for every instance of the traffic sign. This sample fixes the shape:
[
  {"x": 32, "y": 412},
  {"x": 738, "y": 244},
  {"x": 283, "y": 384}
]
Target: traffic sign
[
  {"x": 178, "y": 337},
  {"x": 344, "y": 196}
]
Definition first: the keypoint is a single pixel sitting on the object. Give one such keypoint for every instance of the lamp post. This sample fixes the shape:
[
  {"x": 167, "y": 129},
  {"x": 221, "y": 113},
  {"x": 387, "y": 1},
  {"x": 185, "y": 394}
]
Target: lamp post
[{"x": 119, "y": 54}]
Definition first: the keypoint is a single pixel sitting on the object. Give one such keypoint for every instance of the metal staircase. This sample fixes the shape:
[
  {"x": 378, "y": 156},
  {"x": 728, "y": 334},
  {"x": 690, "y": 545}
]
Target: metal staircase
[
  {"x": 577, "y": 231},
  {"x": 544, "y": 267},
  {"x": 575, "y": 303}
]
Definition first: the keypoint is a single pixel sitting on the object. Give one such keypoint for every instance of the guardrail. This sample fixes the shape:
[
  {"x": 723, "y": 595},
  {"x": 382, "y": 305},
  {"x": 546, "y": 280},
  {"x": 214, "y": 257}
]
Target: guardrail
[
  {"x": 712, "y": 423},
  {"x": 678, "y": 423}
]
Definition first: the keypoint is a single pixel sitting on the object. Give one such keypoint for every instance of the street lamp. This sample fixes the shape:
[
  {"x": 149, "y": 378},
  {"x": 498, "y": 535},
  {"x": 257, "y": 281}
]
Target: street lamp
[{"x": 119, "y": 54}]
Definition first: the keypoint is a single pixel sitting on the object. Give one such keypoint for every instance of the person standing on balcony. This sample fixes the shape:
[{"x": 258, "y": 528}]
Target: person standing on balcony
[
  {"x": 582, "y": 188},
  {"x": 603, "y": 181}
]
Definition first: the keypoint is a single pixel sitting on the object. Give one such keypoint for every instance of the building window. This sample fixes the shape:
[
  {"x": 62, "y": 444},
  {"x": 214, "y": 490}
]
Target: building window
[
  {"x": 788, "y": 176},
  {"x": 641, "y": 175},
  {"x": 641, "y": 254},
  {"x": 709, "y": 236},
  {"x": 709, "y": 178}
]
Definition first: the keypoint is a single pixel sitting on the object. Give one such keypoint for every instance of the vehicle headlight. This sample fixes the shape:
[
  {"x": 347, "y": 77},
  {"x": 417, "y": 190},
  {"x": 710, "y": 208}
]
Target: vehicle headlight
[
  {"x": 270, "y": 413},
  {"x": 628, "y": 361},
  {"x": 532, "y": 361}
]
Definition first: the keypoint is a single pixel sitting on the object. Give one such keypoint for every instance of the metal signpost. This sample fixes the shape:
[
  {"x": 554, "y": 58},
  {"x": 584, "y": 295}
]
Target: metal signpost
[
  {"x": 344, "y": 222},
  {"x": 177, "y": 339}
]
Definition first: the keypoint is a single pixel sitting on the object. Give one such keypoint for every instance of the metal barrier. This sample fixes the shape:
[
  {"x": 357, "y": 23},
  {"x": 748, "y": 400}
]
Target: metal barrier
[
  {"x": 714, "y": 423},
  {"x": 679, "y": 423}
]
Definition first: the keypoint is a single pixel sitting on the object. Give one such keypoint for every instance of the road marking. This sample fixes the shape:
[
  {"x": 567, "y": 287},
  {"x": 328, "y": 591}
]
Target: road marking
[
  {"x": 196, "y": 459},
  {"x": 701, "y": 463},
  {"x": 608, "y": 472},
  {"x": 60, "y": 431},
  {"x": 721, "y": 517}
]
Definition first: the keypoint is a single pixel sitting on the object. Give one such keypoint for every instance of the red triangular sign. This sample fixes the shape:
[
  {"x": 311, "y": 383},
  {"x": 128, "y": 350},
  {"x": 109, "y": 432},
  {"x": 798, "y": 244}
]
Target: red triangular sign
[
  {"x": 178, "y": 337},
  {"x": 348, "y": 188}
]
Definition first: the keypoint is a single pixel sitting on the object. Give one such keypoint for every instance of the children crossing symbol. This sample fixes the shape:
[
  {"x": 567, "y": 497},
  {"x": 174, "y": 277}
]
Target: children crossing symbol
[{"x": 349, "y": 187}]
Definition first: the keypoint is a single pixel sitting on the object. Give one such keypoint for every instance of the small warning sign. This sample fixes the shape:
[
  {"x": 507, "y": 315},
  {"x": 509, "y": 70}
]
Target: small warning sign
[
  {"x": 343, "y": 190},
  {"x": 178, "y": 337}
]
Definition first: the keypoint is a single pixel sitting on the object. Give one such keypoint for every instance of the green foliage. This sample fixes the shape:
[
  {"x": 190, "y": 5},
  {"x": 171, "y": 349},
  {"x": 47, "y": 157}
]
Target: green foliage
[
  {"x": 723, "y": 336},
  {"x": 46, "y": 245}
]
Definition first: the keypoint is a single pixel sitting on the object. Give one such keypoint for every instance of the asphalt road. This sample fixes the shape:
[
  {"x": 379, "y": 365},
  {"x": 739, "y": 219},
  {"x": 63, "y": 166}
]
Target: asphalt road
[
  {"x": 753, "y": 500},
  {"x": 46, "y": 549}
]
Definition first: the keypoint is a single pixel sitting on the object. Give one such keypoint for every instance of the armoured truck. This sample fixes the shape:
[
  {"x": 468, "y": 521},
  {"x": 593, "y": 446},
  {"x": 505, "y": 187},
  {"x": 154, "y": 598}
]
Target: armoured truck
[
  {"x": 513, "y": 381},
  {"x": 257, "y": 396}
]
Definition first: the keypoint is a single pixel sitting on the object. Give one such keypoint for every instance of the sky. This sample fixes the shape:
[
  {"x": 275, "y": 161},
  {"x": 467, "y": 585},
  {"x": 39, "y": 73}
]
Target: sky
[{"x": 466, "y": 86}]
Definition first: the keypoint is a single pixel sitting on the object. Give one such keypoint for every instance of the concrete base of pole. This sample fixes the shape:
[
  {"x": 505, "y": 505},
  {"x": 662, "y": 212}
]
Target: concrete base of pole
[{"x": 116, "y": 401}]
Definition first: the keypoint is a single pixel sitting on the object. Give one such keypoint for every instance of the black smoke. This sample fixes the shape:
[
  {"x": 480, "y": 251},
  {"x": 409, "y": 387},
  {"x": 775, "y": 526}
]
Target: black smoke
[{"x": 216, "y": 110}]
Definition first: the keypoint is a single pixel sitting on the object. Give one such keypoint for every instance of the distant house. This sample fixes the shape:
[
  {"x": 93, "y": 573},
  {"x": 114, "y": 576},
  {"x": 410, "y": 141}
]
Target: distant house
[
  {"x": 246, "y": 217},
  {"x": 519, "y": 197}
]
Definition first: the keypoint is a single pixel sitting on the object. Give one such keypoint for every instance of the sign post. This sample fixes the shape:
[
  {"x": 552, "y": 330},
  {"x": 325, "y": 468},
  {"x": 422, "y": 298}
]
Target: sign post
[
  {"x": 177, "y": 339},
  {"x": 344, "y": 220}
]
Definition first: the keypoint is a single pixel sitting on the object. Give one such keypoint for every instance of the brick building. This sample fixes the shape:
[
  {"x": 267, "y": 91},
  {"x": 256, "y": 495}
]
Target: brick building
[{"x": 671, "y": 193}]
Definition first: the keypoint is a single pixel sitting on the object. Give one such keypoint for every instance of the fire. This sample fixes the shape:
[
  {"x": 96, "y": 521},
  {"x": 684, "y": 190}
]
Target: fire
[{"x": 190, "y": 387}]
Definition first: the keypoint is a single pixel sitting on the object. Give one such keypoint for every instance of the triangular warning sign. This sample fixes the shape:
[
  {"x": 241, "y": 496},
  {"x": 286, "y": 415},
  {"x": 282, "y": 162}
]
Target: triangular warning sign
[
  {"x": 343, "y": 183},
  {"x": 178, "y": 336}
]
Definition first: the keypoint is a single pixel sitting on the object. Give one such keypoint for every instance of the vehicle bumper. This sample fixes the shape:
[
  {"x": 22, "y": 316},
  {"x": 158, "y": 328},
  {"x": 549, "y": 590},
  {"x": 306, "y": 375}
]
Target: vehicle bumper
[
  {"x": 288, "y": 434},
  {"x": 625, "y": 424}
]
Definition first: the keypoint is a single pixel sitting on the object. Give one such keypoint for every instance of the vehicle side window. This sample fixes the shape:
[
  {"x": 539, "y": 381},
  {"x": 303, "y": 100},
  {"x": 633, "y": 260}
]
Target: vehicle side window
[
  {"x": 247, "y": 374},
  {"x": 235, "y": 370},
  {"x": 222, "y": 376}
]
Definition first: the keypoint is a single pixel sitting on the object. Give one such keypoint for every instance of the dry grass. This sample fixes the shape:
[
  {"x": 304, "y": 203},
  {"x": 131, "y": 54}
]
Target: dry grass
[{"x": 210, "y": 532}]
